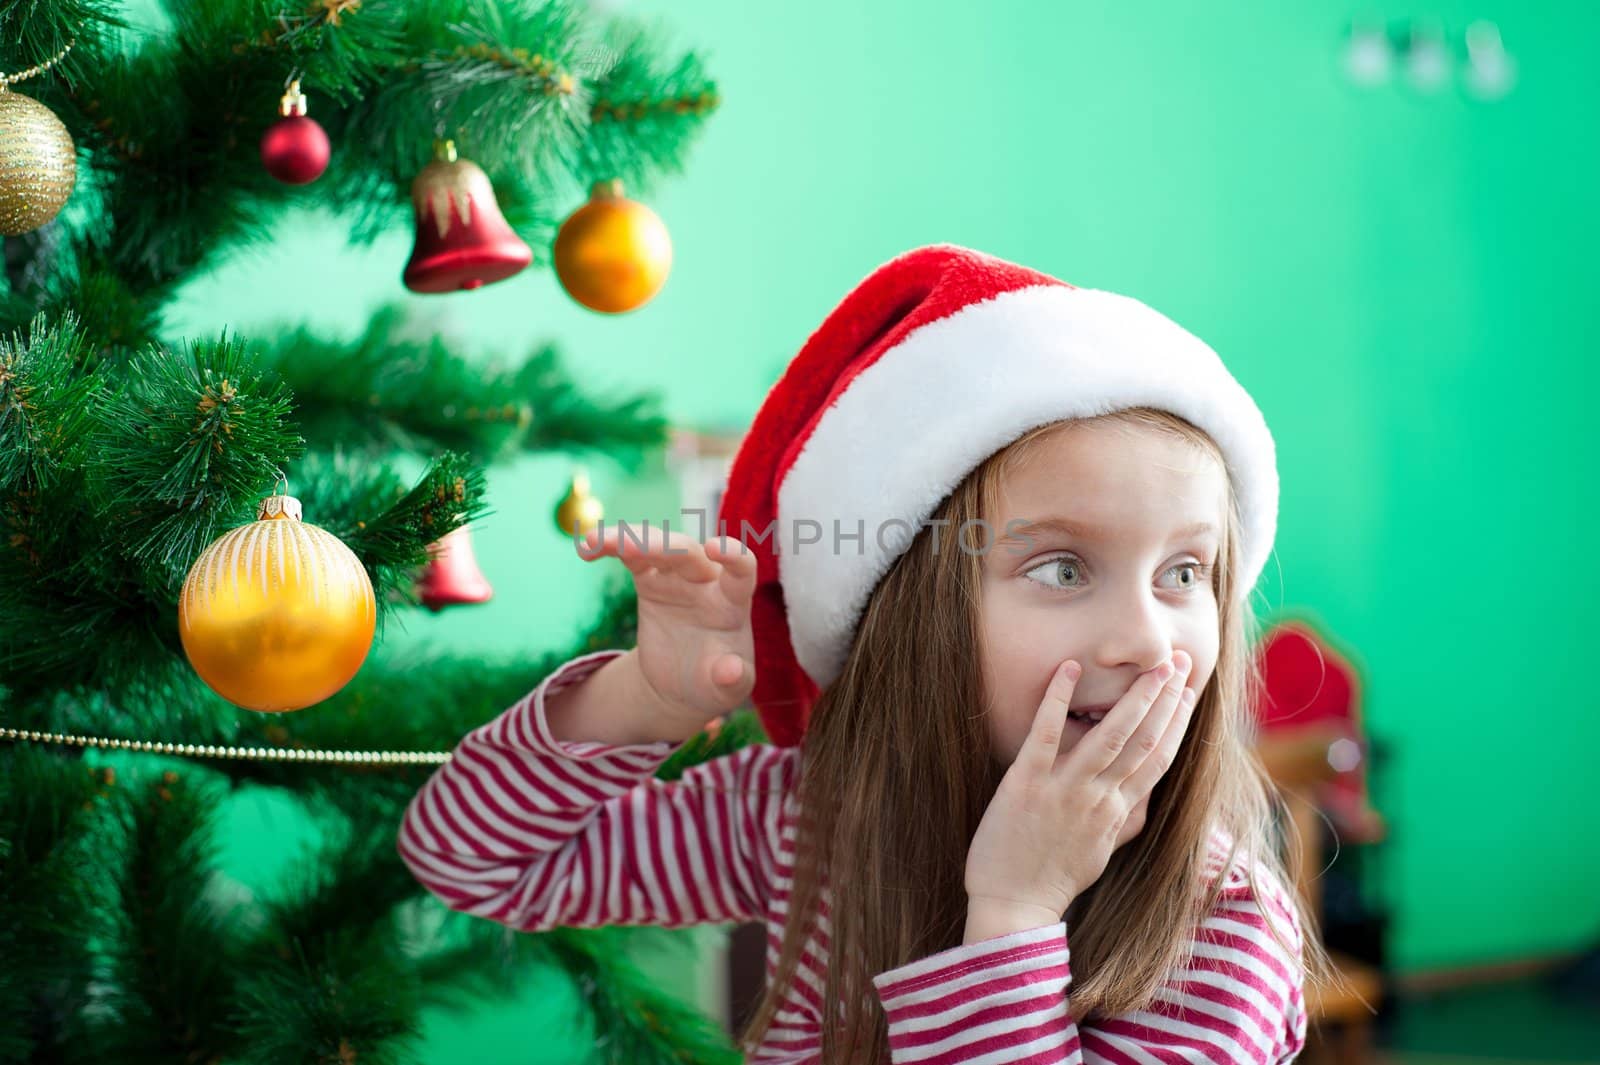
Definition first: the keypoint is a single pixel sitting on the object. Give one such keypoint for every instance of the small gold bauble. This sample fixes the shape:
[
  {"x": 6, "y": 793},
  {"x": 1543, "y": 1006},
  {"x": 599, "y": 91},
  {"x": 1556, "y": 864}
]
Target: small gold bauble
[
  {"x": 277, "y": 615},
  {"x": 579, "y": 513},
  {"x": 38, "y": 163},
  {"x": 612, "y": 254}
]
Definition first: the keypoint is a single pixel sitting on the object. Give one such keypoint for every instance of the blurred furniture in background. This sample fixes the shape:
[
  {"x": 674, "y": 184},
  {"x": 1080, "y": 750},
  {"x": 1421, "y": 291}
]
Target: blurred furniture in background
[{"x": 1312, "y": 743}]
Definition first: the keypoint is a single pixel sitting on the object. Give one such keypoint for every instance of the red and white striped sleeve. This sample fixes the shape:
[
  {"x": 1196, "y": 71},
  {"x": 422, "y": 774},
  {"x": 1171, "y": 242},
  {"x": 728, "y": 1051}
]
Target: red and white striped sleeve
[
  {"x": 534, "y": 832},
  {"x": 1237, "y": 1001}
]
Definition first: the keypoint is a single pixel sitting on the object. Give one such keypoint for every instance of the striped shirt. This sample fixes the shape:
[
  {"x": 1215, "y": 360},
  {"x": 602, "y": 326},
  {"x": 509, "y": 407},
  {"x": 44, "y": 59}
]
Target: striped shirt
[{"x": 533, "y": 832}]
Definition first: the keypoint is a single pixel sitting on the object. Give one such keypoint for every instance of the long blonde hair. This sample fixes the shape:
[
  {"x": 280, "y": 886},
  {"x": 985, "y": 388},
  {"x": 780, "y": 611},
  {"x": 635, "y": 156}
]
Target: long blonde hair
[{"x": 897, "y": 771}]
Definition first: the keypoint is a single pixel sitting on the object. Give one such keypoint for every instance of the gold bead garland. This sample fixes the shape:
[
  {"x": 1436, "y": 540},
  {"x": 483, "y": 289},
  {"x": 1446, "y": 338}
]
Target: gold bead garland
[
  {"x": 12, "y": 79},
  {"x": 253, "y": 754}
]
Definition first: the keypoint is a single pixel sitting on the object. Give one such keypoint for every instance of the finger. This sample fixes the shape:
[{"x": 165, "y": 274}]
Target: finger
[
  {"x": 682, "y": 556},
  {"x": 728, "y": 670},
  {"x": 1137, "y": 815},
  {"x": 611, "y": 543},
  {"x": 1096, "y": 751},
  {"x": 604, "y": 541},
  {"x": 644, "y": 549},
  {"x": 1040, "y": 749},
  {"x": 734, "y": 554},
  {"x": 738, "y": 564},
  {"x": 1147, "y": 737},
  {"x": 1144, "y": 779}
]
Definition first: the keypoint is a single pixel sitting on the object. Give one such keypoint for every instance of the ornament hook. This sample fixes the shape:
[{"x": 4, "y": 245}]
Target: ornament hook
[{"x": 293, "y": 101}]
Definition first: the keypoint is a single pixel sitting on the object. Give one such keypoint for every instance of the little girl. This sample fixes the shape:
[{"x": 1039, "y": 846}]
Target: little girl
[{"x": 984, "y": 577}]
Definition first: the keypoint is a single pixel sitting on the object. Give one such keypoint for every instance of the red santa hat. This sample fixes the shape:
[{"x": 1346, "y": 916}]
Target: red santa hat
[{"x": 937, "y": 360}]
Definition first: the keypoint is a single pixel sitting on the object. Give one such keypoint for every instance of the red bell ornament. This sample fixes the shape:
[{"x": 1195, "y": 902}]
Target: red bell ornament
[
  {"x": 452, "y": 576},
  {"x": 463, "y": 240},
  {"x": 295, "y": 149}
]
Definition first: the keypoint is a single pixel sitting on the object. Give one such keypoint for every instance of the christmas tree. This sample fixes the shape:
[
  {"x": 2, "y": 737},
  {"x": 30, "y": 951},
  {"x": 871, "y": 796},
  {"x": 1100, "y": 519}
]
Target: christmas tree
[{"x": 131, "y": 702}]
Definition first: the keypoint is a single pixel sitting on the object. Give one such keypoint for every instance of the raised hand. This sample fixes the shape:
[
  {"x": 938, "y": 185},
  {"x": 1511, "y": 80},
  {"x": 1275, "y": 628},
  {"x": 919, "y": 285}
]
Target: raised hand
[
  {"x": 696, "y": 652},
  {"x": 1056, "y": 817}
]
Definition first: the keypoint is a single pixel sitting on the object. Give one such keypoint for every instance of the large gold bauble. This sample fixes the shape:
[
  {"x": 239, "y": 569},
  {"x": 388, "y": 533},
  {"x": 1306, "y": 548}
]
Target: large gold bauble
[
  {"x": 277, "y": 615},
  {"x": 612, "y": 254},
  {"x": 38, "y": 163}
]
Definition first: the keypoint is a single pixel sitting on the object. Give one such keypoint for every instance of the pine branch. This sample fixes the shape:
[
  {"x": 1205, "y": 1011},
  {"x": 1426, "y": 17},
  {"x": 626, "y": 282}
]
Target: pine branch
[
  {"x": 172, "y": 977},
  {"x": 504, "y": 81},
  {"x": 36, "y": 30},
  {"x": 185, "y": 443},
  {"x": 352, "y": 879},
  {"x": 153, "y": 458},
  {"x": 462, "y": 959},
  {"x": 388, "y": 390},
  {"x": 49, "y": 912},
  {"x": 44, "y": 406},
  {"x": 646, "y": 112},
  {"x": 567, "y": 419},
  {"x": 639, "y": 1022},
  {"x": 58, "y": 587},
  {"x": 332, "y": 998},
  {"x": 54, "y": 280}
]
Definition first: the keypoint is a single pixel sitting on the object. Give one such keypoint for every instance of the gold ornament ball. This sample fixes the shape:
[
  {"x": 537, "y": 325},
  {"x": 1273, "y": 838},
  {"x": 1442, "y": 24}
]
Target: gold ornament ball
[
  {"x": 612, "y": 254},
  {"x": 277, "y": 615},
  {"x": 38, "y": 163},
  {"x": 579, "y": 512}
]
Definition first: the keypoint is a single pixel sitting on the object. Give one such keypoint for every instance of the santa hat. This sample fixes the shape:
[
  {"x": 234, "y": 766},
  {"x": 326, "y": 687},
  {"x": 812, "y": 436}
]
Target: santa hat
[{"x": 937, "y": 360}]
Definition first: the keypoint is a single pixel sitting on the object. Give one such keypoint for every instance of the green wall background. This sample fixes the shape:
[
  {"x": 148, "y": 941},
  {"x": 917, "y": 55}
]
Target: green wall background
[{"x": 1402, "y": 282}]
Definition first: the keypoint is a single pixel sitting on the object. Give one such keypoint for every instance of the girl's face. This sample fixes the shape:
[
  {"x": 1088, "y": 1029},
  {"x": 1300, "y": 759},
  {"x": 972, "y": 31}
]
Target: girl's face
[{"x": 1120, "y": 594}]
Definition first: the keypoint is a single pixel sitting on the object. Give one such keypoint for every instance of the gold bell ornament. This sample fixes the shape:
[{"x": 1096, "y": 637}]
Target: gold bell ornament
[
  {"x": 612, "y": 254},
  {"x": 277, "y": 615},
  {"x": 579, "y": 513},
  {"x": 38, "y": 161},
  {"x": 463, "y": 241}
]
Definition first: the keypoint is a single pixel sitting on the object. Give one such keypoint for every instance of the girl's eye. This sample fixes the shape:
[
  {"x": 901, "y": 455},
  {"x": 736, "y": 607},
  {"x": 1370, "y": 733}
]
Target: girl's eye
[
  {"x": 1054, "y": 565},
  {"x": 1200, "y": 572}
]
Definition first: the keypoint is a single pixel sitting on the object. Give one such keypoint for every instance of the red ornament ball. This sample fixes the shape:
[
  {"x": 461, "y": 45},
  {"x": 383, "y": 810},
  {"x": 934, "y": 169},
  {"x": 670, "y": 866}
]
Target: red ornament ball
[{"x": 295, "y": 150}]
